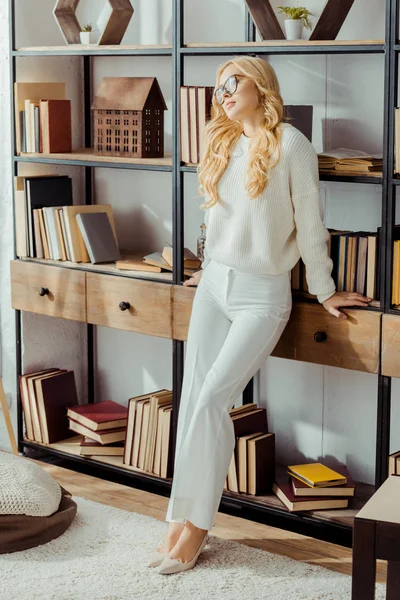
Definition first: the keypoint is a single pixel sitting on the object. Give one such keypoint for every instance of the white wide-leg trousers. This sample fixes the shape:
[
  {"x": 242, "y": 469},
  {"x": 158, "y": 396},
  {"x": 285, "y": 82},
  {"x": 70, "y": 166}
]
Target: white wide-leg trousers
[{"x": 237, "y": 319}]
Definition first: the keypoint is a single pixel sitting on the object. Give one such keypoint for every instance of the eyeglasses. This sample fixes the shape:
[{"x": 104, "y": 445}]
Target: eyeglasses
[{"x": 230, "y": 87}]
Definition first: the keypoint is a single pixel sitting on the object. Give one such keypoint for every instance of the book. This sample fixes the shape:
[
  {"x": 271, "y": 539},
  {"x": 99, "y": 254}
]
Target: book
[
  {"x": 135, "y": 262},
  {"x": 54, "y": 394},
  {"x": 55, "y": 125},
  {"x": 130, "y": 427},
  {"x": 90, "y": 447},
  {"x": 301, "y": 117},
  {"x": 249, "y": 422},
  {"x": 166, "y": 443},
  {"x": 156, "y": 469},
  {"x": 282, "y": 487},
  {"x": 75, "y": 240},
  {"x": 260, "y": 463},
  {"x": 394, "y": 463},
  {"x": 138, "y": 430},
  {"x": 99, "y": 416},
  {"x": 156, "y": 400},
  {"x": 98, "y": 236},
  {"x": 241, "y": 459},
  {"x": 144, "y": 434},
  {"x": 37, "y": 426},
  {"x": 316, "y": 474},
  {"x": 196, "y": 106},
  {"x": 347, "y": 489},
  {"x": 232, "y": 483},
  {"x": 33, "y": 91},
  {"x": 45, "y": 191},
  {"x": 243, "y": 408},
  {"x": 190, "y": 260},
  {"x": 25, "y": 401},
  {"x": 104, "y": 437}
]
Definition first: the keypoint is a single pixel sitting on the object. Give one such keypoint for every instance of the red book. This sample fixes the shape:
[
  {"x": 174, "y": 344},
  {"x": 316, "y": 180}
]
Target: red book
[
  {"x": 104, "y": 437},
  {"x": 283, "y": 489},
  {"x": 55, "y": 126},
  {"x": 90, "y": 447},
  {"x": 100, "y": 415}
]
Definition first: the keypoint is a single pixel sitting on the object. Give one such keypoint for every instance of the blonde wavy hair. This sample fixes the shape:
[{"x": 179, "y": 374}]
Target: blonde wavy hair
[{"x": 222, "y": 133}]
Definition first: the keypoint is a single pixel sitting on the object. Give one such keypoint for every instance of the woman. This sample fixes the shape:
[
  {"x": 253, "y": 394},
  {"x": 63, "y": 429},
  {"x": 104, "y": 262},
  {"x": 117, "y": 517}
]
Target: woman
[{"x": 260, "y": 177}]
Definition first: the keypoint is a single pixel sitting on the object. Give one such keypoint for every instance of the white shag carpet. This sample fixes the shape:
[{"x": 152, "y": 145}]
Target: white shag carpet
[{"x": 103, "y": 555}]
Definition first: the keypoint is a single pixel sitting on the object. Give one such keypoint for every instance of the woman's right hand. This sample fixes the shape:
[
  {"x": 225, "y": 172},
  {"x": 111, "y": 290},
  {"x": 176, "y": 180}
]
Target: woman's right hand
[{"x": 194, "y": 279}]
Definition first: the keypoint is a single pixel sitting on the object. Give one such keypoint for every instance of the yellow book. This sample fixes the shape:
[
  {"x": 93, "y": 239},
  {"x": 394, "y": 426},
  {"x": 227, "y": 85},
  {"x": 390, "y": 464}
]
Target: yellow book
[{"x": 316, "y": 475}]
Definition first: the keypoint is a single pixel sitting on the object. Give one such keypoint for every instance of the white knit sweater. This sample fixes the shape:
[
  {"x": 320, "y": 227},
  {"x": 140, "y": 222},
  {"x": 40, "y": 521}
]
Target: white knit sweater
[{"x": 268, "y": 235}]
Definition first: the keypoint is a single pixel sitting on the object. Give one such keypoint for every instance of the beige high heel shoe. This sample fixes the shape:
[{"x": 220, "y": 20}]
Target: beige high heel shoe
[
  {"x": 156, "y": 558},
  {"x": 172, "y": 565}
]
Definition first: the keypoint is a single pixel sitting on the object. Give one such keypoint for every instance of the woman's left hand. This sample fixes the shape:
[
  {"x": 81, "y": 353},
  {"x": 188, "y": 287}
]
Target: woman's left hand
[{"x": 344, "y": 299}]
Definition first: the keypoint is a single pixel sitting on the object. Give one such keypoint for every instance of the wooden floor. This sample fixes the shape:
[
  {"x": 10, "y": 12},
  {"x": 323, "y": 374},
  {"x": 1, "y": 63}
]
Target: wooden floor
[{"x": 278, "y": 541}]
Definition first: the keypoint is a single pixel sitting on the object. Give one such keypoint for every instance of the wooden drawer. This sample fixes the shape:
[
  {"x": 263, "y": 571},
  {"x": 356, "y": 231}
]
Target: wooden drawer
[
  {"x": 63, "y": 290},
  {"x": 182, "y": 309},
  {"x": 391, "y": 345},
  {"x": 148, "y": 309},
  {"x": 314, "y": 335},
  {"x": 351, "y": 344}
]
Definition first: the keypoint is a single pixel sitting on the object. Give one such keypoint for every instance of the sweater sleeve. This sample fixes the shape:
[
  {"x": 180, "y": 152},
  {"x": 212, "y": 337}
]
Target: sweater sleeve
[
  {"x": 206, "y": 258},
  {"x": 311, "y": 233}
]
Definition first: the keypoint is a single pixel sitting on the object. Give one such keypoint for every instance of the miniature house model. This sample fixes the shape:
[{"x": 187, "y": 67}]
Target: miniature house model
[{"x": 128, "y": 118}]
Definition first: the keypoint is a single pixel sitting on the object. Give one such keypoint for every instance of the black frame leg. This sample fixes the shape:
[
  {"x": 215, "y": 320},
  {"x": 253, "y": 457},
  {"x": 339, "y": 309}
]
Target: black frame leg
[
  {"x": 393, "y": 580},
  {"x": 364, "y": 560}
]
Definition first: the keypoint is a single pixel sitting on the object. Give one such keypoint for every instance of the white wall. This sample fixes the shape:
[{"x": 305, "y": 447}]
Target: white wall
[{"x": 316, "y": 412}]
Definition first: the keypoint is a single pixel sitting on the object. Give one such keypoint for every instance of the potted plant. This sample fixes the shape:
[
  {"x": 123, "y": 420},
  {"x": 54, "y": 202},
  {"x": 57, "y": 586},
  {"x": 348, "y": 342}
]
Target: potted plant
[
  {"x": 297, "y": 18},
  {"x": 86, "y": 34}
]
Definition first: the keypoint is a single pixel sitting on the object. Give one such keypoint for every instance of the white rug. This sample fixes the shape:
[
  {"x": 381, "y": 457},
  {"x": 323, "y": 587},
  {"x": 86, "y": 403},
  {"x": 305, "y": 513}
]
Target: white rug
[{"x": 103, "y": 556}]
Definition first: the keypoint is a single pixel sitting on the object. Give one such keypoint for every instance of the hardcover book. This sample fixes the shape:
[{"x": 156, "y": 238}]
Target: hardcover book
[
  {"x": 282, "y": 487},
  {"x": 316, "y": 474},
  {"x": 98, "y": 236},
  {"x": 99, "y": 416}
]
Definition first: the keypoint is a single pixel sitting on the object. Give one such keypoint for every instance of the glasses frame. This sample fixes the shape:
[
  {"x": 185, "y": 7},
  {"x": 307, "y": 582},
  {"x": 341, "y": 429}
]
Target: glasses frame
[{"x": 222, "y": 88}]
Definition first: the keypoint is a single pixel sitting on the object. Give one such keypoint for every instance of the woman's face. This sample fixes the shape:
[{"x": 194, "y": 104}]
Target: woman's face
[{"x": 244, "y": 101}]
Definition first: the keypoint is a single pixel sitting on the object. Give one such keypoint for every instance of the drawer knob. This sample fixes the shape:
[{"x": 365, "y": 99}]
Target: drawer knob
[
  {"x": 124, "y": 305},
  {"x": 320, "y": 336},
  {"x": 43, "y": 291}
]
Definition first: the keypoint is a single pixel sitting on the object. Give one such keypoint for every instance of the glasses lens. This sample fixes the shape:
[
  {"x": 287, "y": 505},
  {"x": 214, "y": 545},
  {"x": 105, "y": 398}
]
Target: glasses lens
[
  {"x": 218, "y": 95},
  {"x": 231, "y": 84}
]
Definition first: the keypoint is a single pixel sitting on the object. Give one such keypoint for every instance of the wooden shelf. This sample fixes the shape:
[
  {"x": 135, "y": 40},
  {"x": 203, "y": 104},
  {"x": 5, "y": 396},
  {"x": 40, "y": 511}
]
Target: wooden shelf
[
  {"x": 95, "y": 50},
  {"x": 86, "y": 157},
  {"x": 368, "y": 178},
  {"x": 106, "y": 268},
  {"x": 342, "y": 517},
  {"x": 287, "y": 47},
  {"x": 71, "y": 446}
]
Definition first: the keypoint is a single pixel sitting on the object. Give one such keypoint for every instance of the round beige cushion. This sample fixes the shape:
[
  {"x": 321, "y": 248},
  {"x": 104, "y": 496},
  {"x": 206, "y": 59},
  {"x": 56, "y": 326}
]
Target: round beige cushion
[{"x": 26, "y": 488}]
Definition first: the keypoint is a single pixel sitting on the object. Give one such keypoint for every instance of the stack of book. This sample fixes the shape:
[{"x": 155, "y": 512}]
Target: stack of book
[
  {"x": 344, "y": 161},
  {"x": 43, "y": 118},
  {"x": 355, "y": 263},
  {"x": 313, "y": 486},
  {"x": 196, "y": 104},
  {"x": 148, "y": 436},
  {"x": 251, "y": 469},
  {"x": 46, "y": 396},
  {"x": 156, "y": 262},
  {"x": 102, "y": 425},
  {"x": 49, "y": 226}
]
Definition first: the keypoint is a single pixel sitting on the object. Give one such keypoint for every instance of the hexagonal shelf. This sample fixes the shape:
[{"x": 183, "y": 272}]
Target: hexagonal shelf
[{"x": 113, "y": 21}]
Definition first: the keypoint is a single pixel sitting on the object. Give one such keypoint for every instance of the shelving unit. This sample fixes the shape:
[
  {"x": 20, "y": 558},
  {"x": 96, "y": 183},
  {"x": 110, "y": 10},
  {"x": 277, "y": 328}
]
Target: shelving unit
[{"x": 335, "y": 526}]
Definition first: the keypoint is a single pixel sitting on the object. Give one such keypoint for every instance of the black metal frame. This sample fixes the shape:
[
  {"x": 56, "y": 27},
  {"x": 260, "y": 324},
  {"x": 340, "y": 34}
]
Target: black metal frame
[{"x": 246, "y": 507}]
